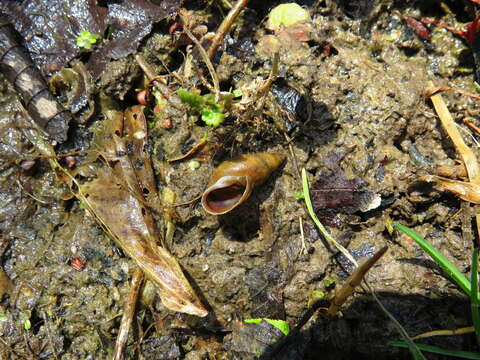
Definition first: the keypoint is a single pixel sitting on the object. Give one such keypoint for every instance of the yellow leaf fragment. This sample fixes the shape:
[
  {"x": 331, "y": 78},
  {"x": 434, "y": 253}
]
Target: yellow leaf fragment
[
  {"x": 467, "y": 191},
  {"x": 450, "y": 127},
  {"x": 285, "y": 15}
]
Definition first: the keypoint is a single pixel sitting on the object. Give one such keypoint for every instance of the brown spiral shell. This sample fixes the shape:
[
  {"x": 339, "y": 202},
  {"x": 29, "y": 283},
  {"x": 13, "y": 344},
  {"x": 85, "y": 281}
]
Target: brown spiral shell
[{"x": 233, "y": 180}]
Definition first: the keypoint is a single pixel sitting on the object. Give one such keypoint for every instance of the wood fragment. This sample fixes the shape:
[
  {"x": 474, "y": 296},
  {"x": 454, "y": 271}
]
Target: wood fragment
[
  {"x": 225, "y": 26},
  {"x": 467, "y": 191},
  {"x": 206, "y": 59},
  {"x": 471, "y": 125},
  {"x": 128, "y": 312},
  {"x": 452, "y": 171},
  {"x": 353, "y": 281}
]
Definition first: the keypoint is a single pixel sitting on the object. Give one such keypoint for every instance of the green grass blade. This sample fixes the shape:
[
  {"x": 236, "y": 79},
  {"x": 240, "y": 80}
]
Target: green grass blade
[
  {"x": 438, "y": 350},
  {"x": 474, "y": 302},
  {"x": 441, "y": 260}
]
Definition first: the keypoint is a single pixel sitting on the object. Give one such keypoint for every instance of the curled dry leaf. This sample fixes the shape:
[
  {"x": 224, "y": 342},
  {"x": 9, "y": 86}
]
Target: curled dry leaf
[
  {"x": 123, "y": 216},
  {"x": 467, "y": 191},
  {"x": 121, "y": 197}
]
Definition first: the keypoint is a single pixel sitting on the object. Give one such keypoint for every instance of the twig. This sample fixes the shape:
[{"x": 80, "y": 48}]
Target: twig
[
  {"x": 272, "y": 76},
  {"x": 152, "y": 76},
  {"x": 471, "y": 125},
  {"x": 225, "y": 26},
  {"x": 128, "y": 313},
  {"x": 469, "y": 158},
  {"x": 206, "y": 59},
  {"x": 304, "y": 247},
  {"x": 353, "y": 281}
]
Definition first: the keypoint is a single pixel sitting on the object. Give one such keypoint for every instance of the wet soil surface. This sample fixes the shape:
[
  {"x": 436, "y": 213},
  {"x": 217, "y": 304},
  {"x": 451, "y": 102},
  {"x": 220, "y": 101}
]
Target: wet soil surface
[{"x": 351, "y": 99}]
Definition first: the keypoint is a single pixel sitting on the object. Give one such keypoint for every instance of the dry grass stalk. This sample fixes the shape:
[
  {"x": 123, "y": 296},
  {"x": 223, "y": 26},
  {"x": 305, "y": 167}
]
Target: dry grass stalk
[
  {"x": 353, "y": 281},
  {"x": 450, "y": 127},
  {"x": 127, "y": 317}
]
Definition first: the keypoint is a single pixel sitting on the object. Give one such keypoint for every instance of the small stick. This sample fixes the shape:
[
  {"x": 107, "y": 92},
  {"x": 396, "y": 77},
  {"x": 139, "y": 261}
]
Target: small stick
[
  {"x": 225, "y": 26},
  {"x": 206, "y": 59},
  {"x": 304, "y": 247},
  {"x": 152, "y": 76},
  {"x": 472, "y": 126},
  {"x": 459, "y": 331},
  {"x": 272, "y": 76},
  {"x": 353, "y": 281},
  {"x": 128, "y": 313},
  {"x": 197, "y": 147}
]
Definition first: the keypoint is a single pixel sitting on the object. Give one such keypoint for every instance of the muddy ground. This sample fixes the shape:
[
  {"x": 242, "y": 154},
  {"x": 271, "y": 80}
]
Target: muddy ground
[{"x": 369, "y": 120}]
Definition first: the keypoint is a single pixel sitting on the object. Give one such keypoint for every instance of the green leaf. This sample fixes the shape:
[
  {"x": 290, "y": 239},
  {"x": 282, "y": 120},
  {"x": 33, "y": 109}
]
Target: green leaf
[
  {"x": 212, "y": 117},
  {"x": 195, "y": 101},
  {"x": 328, "y": 281},
  {"x": 318, "y": 294},
  {"x": 286, "y": 15},
  {"x": 86, "y": 39},
  {"x": 438, "y": 257},
  {"x": 237, "y": 93},
  {"x": 437, "y": 350},
  {"x": 193, "y": 164},
  {"x": 27, "y": 325},
  {"x": 253, "y": 321}
]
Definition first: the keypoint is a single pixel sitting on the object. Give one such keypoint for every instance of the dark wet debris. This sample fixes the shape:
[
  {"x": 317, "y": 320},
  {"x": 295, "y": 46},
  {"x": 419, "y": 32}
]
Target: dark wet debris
[
  {"x": 51, "y": 39},
  {"x": 333, "y": 193},
  {"x": 292, "y": 102},
  {"x": 161, "y": 348},
  {"x": 251, "y": 339}
]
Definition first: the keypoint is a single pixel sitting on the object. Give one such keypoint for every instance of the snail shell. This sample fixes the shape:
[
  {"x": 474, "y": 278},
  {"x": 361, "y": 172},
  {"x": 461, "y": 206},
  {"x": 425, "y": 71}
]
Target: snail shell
[{"x": 233, "y": 181}]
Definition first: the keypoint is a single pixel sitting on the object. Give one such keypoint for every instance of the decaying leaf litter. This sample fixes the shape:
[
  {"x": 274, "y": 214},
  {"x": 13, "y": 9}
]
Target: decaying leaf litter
[{"x": 365, "y": 90}]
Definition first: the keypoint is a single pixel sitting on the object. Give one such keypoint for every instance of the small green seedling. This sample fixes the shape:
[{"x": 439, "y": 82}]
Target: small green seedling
[
  {"x": 86, "y": 39},
  {"x": 328, "y": 282},
  {"x": 285, "y": 15},
  {"x": 318, "y": 294},
  {"x": 211, "y": 112},
  {"x": 193, "y": 164}
]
